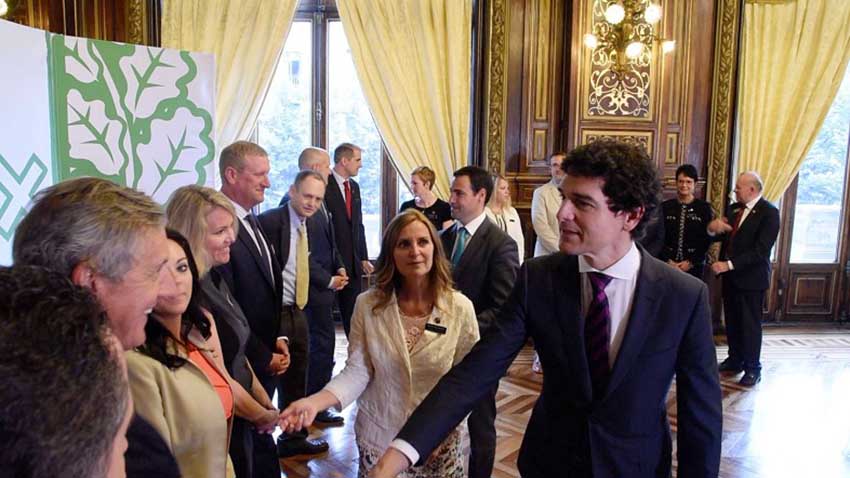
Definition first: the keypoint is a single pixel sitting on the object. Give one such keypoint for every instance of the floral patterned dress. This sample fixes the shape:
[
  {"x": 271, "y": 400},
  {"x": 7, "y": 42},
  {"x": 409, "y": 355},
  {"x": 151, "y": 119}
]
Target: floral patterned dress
[{"x": 447, "y": 459}]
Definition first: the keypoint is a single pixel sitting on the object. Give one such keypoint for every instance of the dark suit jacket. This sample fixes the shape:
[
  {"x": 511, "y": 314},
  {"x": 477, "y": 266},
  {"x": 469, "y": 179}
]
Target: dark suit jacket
[
  {"x": 258, "y": 294},
  {"x": 751, "y": 246},
  {"x": 625, "y": 432},
  {"x": 325, "y": 260},
  {"x": 486, "y": 271},
  {"x": 350, "y": 234}
]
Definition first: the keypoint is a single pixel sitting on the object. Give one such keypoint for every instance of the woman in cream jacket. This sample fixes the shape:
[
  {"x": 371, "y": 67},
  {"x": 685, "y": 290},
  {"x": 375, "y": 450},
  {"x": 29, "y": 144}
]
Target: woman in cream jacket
[
  {"x": 406, "y": 333},
  {"x": 500, "y": 211}
]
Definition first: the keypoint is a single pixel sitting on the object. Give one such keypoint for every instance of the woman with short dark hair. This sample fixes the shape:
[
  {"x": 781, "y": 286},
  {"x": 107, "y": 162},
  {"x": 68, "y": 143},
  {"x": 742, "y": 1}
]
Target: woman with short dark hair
[
  {"x": 686, "y": 220},
  {"x": 425, "y": 201}
]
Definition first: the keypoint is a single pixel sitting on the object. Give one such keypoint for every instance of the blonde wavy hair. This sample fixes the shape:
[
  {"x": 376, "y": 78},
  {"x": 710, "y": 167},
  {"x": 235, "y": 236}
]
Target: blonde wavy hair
[
  {"x": 506, "y": 204},
  {"x": 187, "y": 210},
  {"x": 387, "y": 277}
]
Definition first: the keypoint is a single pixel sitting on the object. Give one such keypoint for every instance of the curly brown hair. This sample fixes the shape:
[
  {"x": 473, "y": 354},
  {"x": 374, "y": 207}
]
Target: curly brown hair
[{"x": 387, "y": 278}]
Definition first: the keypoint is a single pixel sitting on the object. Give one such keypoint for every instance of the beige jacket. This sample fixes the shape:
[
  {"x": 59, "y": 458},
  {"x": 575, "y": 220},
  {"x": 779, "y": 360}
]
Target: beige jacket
[
  {"x": 514, "y": 228},
  {"x": 387, "y": 382},
  {"x": 184, "y": 408},
  {"x": 545, "y": 202}
]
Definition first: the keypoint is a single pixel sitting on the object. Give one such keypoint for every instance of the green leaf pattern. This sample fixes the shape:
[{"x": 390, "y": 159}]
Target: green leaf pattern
[{"x": 131, "y": 115}]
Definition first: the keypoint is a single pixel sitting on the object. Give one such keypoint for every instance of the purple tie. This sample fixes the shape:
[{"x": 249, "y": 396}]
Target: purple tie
[{"x": 597, "y": 333}]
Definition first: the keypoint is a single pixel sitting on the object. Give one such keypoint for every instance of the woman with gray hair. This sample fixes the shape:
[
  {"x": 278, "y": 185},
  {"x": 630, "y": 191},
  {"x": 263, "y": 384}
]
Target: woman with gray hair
[{"x": 208, "y": 221}]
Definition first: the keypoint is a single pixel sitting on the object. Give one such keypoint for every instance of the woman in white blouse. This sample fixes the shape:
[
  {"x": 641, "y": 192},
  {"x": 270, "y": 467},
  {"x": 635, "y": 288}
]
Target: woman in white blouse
[
  {"x": 407, "y": 331},
  {"x": 500, "y": 211}
]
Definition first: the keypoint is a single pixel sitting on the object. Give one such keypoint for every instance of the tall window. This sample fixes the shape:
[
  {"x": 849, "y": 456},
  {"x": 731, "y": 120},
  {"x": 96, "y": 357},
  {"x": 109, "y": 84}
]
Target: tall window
[
  {"x": 315, "y": 99},
  {"x": 821, "y": 187}
]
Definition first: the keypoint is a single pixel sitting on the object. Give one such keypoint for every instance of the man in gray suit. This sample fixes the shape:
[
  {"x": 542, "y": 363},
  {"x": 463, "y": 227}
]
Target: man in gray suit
[{"x": 484, "y": 267}]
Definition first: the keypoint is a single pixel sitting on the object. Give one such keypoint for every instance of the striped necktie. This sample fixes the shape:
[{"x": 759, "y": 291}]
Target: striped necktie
[{"x": 597, "y": 333}]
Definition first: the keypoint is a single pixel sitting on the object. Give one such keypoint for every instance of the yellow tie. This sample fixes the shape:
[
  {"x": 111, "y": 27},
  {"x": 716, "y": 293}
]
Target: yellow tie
[{"x": 302, "y": 268}]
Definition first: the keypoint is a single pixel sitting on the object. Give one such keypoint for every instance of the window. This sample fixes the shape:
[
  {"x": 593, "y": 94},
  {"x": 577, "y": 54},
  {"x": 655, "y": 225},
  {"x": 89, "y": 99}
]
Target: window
[
  {"x": 315, "y": 99},
  {"x": 284, "y": 126},
  {"x": 821, "y": 187}
]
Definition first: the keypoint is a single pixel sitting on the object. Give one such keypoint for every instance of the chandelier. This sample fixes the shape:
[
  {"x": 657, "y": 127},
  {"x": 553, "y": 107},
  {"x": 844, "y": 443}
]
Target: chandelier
[{"x": 626, "y": 34}]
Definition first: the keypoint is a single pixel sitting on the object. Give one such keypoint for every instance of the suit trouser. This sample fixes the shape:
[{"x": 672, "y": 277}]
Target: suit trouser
[
  {"x": 482, "y": 436},
  {"x": 253, "y": 454},
  {"x": 742, "y": 311},
  {"x": 292, "y": 385},
  {"x": 346, "y": 299},
  {"x": 322, "y": 342}
]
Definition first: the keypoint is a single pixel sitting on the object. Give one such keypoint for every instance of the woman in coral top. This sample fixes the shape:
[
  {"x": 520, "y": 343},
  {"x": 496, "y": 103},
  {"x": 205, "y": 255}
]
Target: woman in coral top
[{"x": 178, "y": 378}]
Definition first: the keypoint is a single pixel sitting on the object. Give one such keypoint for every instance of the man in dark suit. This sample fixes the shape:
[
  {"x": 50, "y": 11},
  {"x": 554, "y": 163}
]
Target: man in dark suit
[
  {"x": 343, "y": 203},
  {"x": 748, "y": 231},
  {"x": 327, "y": 275},
  {"x": 612, "y": 326},
  {"x": 484, "y": 266},
  {"x": 254, "y": 277},
  {"x": 286, "y": 228}
]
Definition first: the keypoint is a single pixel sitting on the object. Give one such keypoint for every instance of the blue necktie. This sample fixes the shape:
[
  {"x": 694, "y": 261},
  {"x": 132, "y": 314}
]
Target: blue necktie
[
  {"x": 597, "y": 333},
  {"x": 460, "y": 245}
]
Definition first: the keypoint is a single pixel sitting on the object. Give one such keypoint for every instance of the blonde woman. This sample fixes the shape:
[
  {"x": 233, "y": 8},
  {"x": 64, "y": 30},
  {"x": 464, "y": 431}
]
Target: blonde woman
[
  {"x": 425, "y": 201},
  {"x": 208, "y": 221},
  {"x": 500, "y": 211},
  {"x": 406, "y": 333}
]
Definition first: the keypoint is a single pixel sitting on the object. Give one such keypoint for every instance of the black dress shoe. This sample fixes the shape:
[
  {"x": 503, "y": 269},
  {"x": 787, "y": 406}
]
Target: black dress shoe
[
  {"x": 328, "y": 417},
  {"x": 300, "y": 447},
  {"x": 731, "y": 366},
  {"x": 750, "y": 378}
]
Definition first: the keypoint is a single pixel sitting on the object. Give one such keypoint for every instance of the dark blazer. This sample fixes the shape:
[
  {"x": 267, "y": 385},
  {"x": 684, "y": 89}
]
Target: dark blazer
[
  {"x": 258, "y": 294},
  {"x": 751, "y": 246},
  {"x": 350, "y": 234},
  {"x": 625, "y": 432},
  {"x": 325, "y": 260},
  {"x": 486, "y": 271}
]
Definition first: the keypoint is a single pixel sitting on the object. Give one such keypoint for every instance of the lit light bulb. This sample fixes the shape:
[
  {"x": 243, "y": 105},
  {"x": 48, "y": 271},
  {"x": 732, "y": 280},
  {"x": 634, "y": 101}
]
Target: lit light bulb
[
  {"x": 615, "y": 13},
  {"x": 4, "y": 8},
  {"x": 652, "y": 14},
  {"x": 668, "y": 45},
  {"x": 591, "y": 41},
  {"x": 634, "y": 50}
]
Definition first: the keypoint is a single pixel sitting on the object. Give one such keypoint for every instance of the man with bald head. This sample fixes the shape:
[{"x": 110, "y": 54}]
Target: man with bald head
[{"x": 748, "y": 232}]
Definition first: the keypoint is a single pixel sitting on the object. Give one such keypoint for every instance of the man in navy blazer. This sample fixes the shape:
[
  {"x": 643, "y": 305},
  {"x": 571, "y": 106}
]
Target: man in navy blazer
[
  {"x": 327, "y": 275},
  {"x": 343, "y": 203},
  {"x": 484, "y": 267},
  {"x": 612, "y": 325},
  {"x": 748, "y": 232},
  {"x": 253, "y": 276}
]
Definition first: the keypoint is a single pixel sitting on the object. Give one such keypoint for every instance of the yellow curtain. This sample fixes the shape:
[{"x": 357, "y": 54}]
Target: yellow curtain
[
  {"x": 413, "y": 61},
  {"x": 794, "y": 58},
  {"x": 246, "y": 37}
]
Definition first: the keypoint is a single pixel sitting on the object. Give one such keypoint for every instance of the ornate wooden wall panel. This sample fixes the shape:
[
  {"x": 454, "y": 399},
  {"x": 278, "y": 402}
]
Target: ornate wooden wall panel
[
  {"x": 131, "y": 21},
  {"x": 663, "y": 106}
]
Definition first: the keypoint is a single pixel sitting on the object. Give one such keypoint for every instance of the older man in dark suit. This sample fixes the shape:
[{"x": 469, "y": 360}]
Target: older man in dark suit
[
  {"x": 346, "y": 216},
  {"x": 484, "y": 266},
  {"x": 749, "y": 232},
  {"x": 612, "y": 325}
]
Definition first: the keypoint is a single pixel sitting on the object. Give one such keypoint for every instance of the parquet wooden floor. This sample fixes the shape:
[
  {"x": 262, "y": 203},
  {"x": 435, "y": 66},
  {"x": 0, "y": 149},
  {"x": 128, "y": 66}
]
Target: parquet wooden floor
[{"x": 795, "y": 423}]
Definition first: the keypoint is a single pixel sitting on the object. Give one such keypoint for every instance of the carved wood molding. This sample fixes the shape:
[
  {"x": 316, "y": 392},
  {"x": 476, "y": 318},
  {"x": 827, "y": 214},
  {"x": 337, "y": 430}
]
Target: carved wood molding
[
  {"x": 497, "y": 55},
  {"x": 136, "y": 23},
  {"x": 723, "y": 100}
]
